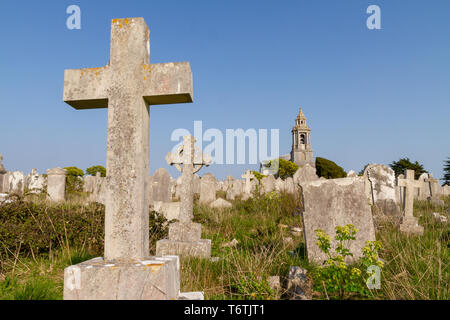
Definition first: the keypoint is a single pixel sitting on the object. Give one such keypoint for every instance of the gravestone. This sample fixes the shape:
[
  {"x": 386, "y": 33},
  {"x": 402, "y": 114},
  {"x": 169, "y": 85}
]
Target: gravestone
[
  {"x": 289, "y": 185},
  {"x": 424, "y": 192},
  {"x": 161, "y": 186},
  {"x": 267, "y": 184},
  {"x": 332, "y": 203},
  {"x": 248, "y": 187},
  {"x": 35, "y": 182},
  {"x": 234, "y": 190},
  {"x": 352, "y": 174},
  {"x": 14, "y": 183},
  {"x": 409, "y": 223},
  {"x": 56, "y": 184},
  {"x": 208, "y": 187},
  {"x": 127, "y": 86},
  {"x": 305, "y": 174},
  {"x": 185, "y": 236},
  {"x": 2, "y": 174},
  {"x": 381, "y": 189},
  {"x": 435, "y": 187}
]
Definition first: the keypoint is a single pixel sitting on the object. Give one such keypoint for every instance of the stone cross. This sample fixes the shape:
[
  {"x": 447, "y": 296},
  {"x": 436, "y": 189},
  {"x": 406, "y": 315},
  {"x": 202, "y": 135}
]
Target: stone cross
[
  {"x": 248, "y": 176},
  {"x": 127, "y": 86},
  {"x": 409, "y": 223},
  {"x": 188, "y": 160}
]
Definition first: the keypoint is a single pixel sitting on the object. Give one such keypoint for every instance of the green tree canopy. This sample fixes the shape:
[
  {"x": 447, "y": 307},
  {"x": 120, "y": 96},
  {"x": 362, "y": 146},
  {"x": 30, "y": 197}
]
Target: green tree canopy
[
  {"x": 401, "y": 165},
  {"x": 286, "y": 169},
  {"x": 74, "y": 172},
  {"x": 328, "y": 169},
  {"x": 92, "y": 171}
]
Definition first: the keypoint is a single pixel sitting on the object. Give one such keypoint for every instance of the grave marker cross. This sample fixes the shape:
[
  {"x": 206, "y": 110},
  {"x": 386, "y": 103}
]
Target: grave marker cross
[{"x": 127, "y": 86}]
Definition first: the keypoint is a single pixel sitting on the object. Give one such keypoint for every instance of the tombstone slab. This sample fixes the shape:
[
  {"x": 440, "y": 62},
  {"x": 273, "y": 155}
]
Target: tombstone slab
[
  {"x": 208, "y": 187},
  {"x": 97, "y": 279},
  {"x": 332, "y": 203},
  {"x": 305, "y": 174},
  {"x": 56, "y": 184}
]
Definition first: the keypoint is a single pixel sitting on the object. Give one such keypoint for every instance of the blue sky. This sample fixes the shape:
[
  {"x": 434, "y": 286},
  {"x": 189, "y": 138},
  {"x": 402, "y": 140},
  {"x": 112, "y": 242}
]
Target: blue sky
[{"x": 370, "y": 96}]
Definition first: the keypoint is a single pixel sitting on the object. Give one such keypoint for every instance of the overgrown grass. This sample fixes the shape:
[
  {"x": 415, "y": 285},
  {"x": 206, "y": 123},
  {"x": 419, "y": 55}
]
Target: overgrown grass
[{"x": 416, "y": 267}]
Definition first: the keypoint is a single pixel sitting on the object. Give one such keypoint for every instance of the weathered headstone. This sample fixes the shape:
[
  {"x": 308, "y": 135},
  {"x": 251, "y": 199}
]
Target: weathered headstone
[
  {"x": 56, "y": 184},
  {"x": 267, "y": 184},
  {"x": 381, "y": 189},
  {"x": 235, "y": 190},
  {"x": 14, "y": 183},
  {"x": 208, "y": 187},
  {"x": 352, "y": 174},
  {"x": 305, "y": 174},
  {"x": 35, "y": 182},
  {"x": 185, "y": 236},
  {"x": 409, "y": 223},
  {"x": 127, "y": 86},
  {"x": 161, "y": 186},
  {"x": 332, "y": 203}
]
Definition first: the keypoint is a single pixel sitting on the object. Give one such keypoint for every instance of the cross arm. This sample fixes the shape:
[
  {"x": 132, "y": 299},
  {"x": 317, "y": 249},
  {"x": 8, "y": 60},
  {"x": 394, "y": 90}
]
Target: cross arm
[
  {"x": 167, "y": 83},
  {"x": 86, "y": 88}
]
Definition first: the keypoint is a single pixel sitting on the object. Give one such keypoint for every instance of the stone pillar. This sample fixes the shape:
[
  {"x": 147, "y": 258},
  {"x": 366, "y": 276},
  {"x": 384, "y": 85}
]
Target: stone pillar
[{"x": 56, "y": 184}]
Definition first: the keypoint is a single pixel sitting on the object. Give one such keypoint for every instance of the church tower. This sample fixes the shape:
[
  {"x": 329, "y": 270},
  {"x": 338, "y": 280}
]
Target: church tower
[{"x": 302, "y": 152}]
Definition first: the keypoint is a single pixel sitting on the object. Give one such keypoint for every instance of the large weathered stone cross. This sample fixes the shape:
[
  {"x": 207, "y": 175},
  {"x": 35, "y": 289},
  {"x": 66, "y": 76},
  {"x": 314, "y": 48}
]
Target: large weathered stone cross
[
  {"x": 409, "y": 183},
  {"x": 127, "y": 86},
  {"x": 188, "y": 160}
]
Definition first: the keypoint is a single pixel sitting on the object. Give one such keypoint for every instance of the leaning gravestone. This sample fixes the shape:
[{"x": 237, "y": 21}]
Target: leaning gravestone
[
  {"x": 127, "y": 86},
  {"x": 208, "y": 187},
  {"x": 185, "y": 236},
  {"x": 332, "y": 203}
]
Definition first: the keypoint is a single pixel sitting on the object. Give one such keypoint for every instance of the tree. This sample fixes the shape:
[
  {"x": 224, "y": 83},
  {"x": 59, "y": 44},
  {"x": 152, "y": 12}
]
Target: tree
[
  {"x": 401, "y": 165},
  {"x": 328, "y": 169},
  {"x": 286, "y": 169},
  {"x": 447, "y": 172},
  {"x": 73, "y": 179},
  {"x": 92, "y": 171}
]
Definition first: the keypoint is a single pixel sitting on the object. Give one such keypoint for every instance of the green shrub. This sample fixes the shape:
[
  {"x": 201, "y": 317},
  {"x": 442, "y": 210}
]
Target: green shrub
[
  {"x": 286, "y": 169},
  {"x": 335, "y": 277},
  {"x": 92, "y": 171},
  {"x": 328, "y": 169},
  {"x": 74, "y": 182},
  {"x": 258, "y": 175}
]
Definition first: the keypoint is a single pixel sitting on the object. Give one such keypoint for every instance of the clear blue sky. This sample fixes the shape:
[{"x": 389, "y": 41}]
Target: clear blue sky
[{"x": 370, "y": 96}]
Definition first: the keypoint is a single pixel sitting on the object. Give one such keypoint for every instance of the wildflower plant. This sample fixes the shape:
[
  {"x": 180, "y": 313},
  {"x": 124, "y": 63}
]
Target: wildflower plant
[{"x": 337, "y": 279}]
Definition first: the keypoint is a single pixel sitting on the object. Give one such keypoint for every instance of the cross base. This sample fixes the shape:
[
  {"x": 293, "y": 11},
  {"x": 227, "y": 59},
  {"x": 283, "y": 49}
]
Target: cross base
[
  {"x": 410, "y": 225},
  {"x": 200, "y": 248},
  {"x": 157, "y": 278}
]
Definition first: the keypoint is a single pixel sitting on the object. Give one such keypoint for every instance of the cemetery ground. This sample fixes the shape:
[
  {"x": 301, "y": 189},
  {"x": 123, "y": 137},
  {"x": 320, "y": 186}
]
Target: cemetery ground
[{"x": 251, "y": 242}]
